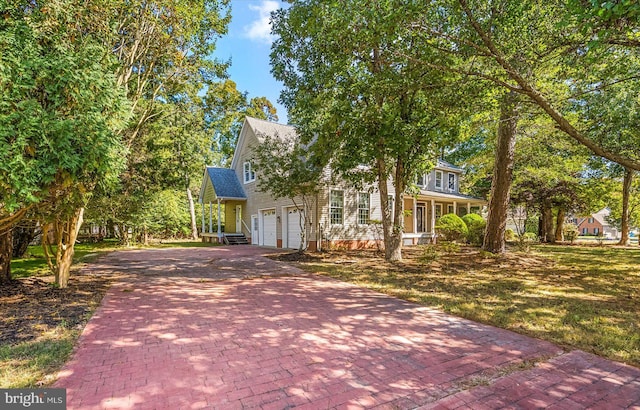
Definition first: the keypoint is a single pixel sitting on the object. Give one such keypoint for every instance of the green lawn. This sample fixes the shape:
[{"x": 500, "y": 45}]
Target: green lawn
[{"x": 577, "y": 296}]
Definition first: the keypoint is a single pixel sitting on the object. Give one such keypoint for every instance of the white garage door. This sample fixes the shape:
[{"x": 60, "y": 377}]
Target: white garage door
[
  {"x": 268, "y": 231},
  {"x": 293, "y": 228}
]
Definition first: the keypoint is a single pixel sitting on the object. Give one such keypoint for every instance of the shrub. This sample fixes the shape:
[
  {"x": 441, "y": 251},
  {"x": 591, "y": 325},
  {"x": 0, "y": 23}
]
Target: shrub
[
  {"x": 571, "y": 232},
  {"x": 530, "y": 237},
  {"x": 450, "y": 227},
  {"x": 476, "y": 226},
  {"x": 509, "y": 235}
]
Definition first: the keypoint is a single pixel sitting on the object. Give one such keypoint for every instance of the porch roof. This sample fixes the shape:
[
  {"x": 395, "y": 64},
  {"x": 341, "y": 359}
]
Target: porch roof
[
  {"x": 447, "y": 196},
  {"x": 222, "y": 184}
]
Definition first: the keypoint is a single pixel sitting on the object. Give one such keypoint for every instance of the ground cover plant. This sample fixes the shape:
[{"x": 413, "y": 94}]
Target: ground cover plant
[
  {"x": 584, "y": 297},
  {"x": 39, "y": 323}
]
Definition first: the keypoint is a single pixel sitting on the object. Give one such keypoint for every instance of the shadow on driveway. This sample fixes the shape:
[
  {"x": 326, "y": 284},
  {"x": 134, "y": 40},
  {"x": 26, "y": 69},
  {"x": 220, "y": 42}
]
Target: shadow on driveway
[{"x": 228, "y": 328}]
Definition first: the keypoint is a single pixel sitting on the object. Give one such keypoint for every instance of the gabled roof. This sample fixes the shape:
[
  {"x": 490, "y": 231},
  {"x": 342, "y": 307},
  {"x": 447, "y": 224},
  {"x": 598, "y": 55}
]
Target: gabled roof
[
  {"x": 262, "y": 128},
  {"x": 442, "y": 164},
  {"x": 225, "y": 185}
]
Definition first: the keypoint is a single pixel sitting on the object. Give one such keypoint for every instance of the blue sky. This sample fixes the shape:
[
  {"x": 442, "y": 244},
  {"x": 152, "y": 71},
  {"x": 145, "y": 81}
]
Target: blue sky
[{"x": 248, "y": 44}]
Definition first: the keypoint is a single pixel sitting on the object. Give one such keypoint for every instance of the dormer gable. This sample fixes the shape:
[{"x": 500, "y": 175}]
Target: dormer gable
[{"x": 444, "y": 177}]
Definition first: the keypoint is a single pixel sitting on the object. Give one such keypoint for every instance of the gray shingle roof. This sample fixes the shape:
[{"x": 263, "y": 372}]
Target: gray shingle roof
[{"x": 225, "y": 183}]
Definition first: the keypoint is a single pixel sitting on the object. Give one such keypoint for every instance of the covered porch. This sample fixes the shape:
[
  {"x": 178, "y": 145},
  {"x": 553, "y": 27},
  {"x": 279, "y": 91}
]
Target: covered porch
[
  {"x": 425, "y": 209},
  {"x": 221, "y": 195}
]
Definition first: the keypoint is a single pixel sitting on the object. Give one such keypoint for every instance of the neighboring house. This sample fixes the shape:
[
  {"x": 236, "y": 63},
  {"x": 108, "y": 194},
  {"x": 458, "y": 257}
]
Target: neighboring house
[
  {"x": 340, "y": 214},
  {"x": 596, "y": 224}
]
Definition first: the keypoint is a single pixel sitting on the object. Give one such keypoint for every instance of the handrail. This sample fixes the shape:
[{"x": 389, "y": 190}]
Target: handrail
[{"x": 245, "y": 225}]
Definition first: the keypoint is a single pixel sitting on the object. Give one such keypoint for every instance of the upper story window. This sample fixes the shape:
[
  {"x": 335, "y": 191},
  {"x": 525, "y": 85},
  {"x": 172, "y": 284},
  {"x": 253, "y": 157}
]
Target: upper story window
[
  {"x": 249, "y": 173},
  {"x": 336, "y": 205},
  {"x": 421, "y": 181},
  {"x": 364, "y": 206},
  {"x": 590, "y": 220},
  {"x": 452, "y": 182},
  {"x": 438, "y": 179}
]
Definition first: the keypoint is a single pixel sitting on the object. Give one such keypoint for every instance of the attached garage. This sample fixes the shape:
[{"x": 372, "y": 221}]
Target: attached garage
[
  {"x": 268, "y": 228},
  {"x": 293, "y": 228}
]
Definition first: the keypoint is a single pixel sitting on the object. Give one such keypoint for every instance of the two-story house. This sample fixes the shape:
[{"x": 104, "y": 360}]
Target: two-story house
[{"x": 340, "y": 215}]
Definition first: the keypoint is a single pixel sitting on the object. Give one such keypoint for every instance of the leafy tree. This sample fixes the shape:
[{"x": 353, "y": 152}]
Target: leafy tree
[
  {"x": 286, "y": 170},
  {"x": 61, "y": 110},
  {"x": 373, "y": 114},
  {"x": 541, "y": 51},
  {"x": 225, "y": 111}
]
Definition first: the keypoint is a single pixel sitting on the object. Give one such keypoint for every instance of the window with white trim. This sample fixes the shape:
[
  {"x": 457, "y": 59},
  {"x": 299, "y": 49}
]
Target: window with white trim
[
  {"x": 596, "y": 231},
  {"x": 438, "y": 179},
  {"x": 336, "y": 207},
  {"x": 422, "y": 180},
  {"x": 438, "y": 210},
  {"x": 249, "y": 173},
  {"x": 364, "y": 208},
  {"x": 449, "y": 209},
  {"x": 452, "y": 182}
]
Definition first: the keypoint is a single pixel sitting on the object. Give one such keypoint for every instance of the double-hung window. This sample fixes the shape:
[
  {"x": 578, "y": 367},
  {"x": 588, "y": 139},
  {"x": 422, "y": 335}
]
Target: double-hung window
[
  {"x": 452, "y": 182},
  {"x": 438, "y": 179},
  {"x": 249, "y": 173},
  {"x": 336, "y": 205},
  {"x": 364, "y": 207}
]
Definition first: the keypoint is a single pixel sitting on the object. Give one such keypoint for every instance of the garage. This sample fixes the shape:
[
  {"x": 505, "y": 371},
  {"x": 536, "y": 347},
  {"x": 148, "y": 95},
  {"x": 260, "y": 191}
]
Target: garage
[
  {"x": 268, "y": 231},
  {"x": 293, "y": 228}
]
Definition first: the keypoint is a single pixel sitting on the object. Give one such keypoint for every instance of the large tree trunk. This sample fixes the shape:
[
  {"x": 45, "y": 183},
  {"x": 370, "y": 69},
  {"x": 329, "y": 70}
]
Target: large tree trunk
[
  {"x": 392, "y": 223},
  {"x": 546, "y": 223},
  {"x": 65, "y": 234},
  {"x": 626, "y": 192},
  {"x": 6, "y": 250},
  {"x": 494, "y": 241},
  {"x": 192, "y": 213},
  {"x": 559, "y": 237}
]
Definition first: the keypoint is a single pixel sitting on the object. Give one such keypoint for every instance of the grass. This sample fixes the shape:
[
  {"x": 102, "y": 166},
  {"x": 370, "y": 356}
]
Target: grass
[
  {"x": 576, "y": 296},
  {"x": 34, "y": 363}
]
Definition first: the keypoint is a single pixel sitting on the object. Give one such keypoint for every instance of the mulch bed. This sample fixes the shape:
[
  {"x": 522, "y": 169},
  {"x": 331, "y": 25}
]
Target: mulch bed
[{"x": 31, "y": 306}]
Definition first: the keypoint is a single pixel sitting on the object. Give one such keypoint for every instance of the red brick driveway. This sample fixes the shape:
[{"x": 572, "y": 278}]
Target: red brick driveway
[{"x": 226, "y": 328}]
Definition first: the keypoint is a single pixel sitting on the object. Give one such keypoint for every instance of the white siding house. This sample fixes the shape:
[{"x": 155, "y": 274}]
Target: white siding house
[{"x": 340, "y": 215}]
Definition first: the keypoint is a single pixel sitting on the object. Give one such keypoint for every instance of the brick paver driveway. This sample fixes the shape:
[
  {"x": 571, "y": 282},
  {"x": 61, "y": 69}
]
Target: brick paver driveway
[{"x": 228, "y": 328}]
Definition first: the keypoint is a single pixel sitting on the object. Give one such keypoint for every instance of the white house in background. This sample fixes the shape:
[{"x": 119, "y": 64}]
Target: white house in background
[{"x": 340, "y": 216}]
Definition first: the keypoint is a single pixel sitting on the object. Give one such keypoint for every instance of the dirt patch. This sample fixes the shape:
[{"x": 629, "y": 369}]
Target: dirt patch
[{"x": 31, "y": 306}]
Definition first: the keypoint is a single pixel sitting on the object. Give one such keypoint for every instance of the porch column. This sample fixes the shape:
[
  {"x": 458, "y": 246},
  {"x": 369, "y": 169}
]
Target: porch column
[
  {"x": 468, "y": 207},
  {"x": 210, "y": 217},
  {"x": 202, "y": 226},
  {"x": 433, "y": 218},
  {"x": 219, "y": 224},
  {"x": 415, "y": 215},
  {"x": 455, "y": 208}
]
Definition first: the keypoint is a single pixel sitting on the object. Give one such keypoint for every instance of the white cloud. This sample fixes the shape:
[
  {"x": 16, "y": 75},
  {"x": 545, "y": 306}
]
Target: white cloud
[{"x": 260, "y": 29}]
